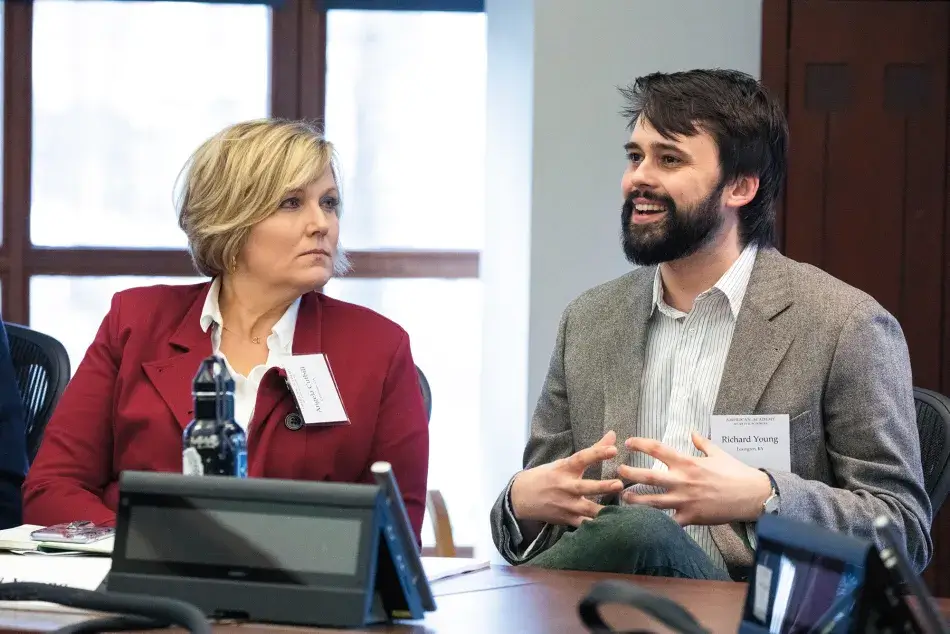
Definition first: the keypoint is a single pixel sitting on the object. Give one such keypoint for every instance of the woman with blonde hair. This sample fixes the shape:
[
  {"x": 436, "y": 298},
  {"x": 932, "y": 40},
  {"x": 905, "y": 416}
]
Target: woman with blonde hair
[{"x": 260, "y": 205}]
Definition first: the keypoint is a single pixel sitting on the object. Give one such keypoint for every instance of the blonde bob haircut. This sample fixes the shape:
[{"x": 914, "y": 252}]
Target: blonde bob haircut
[{"x": 239, "y": 177}]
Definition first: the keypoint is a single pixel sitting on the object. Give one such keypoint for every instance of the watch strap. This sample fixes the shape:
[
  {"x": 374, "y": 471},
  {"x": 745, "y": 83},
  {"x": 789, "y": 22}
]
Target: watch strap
[{"x": 770, "y": 506}]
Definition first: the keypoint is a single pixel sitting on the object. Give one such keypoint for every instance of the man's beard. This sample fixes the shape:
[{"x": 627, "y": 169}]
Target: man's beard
[{"x": 680, "y": 233}]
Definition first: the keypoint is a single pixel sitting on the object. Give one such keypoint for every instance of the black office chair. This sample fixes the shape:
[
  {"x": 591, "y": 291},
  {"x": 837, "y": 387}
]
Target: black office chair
[
  {"x": 435, "y": 502},
  {"x": 41, "y": 367},
  {"x": 933, "y": 425},
  {"x": 426, "y": 392}
]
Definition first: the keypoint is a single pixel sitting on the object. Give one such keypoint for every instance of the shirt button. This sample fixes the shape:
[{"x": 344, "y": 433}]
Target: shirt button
[{"x": 293, "y": 421}]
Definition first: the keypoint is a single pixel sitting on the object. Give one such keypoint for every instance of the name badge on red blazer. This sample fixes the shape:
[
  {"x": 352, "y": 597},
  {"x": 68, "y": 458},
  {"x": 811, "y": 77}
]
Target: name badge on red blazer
[{"x": 311, "y": 381}]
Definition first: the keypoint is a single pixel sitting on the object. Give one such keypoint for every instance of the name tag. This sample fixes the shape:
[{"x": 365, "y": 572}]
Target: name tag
[
  {"x": 758, "y": 441},
  {"x": 311, "y": 381}
]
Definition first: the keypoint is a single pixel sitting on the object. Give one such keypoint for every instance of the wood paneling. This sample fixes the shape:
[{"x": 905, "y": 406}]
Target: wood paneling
[
  {"x": 866, "y": 90},
  {"x": 866, "y": 181},
  {"x": 775, "y": 25}
]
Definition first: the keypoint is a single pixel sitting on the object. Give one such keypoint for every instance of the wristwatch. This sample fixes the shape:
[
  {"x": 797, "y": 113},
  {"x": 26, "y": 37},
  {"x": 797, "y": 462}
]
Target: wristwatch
[{"x": 771, "y": 504}]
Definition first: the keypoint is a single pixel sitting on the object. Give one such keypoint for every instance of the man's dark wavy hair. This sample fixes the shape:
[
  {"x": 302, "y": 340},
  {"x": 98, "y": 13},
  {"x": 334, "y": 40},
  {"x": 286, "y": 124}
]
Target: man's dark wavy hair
[{"x": 747, "y": 124}]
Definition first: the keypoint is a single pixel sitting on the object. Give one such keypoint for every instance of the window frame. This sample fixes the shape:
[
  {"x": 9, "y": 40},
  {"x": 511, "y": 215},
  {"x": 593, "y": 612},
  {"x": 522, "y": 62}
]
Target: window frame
[
  {"x": 468, "y": 6},
  {"x": 297, "y": 59}
]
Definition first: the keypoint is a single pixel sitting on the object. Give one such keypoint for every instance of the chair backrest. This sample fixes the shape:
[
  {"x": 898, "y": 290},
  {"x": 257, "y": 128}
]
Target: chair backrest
[
  {"x": 426, "y": 392},
  {"x": 41, "y": 367},
  {"x": 435, "y": 504},
  {"x": 933, "y": 426}
]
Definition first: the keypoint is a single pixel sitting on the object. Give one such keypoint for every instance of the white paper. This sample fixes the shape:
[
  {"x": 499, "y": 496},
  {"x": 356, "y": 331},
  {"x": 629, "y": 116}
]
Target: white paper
[
  {"x": 19, "y": 537},
  {"x": 437, "y": 568},
  {"x": 85, "y": 573},
  {"x": 760, "y": 441},
  {"x": 310, "y": 380}
]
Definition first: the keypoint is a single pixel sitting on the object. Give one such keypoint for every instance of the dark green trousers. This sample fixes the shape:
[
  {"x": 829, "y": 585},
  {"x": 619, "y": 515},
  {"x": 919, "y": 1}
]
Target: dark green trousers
[{"x": 637, "y": 540}]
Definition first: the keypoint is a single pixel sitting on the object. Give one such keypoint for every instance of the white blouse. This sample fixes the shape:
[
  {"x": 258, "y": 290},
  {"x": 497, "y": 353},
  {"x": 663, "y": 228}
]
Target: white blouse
[{"x": 279, "y": 343}]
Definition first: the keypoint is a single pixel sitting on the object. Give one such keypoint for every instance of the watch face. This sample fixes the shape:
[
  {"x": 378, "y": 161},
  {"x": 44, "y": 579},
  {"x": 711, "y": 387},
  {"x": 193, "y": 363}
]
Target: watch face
[{"x": 771, "y": 505}]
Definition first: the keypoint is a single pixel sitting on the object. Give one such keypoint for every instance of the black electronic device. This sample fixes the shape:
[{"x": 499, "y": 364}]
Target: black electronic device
[
  {"x": 383, "y": 473},
  {"x": 903, "y": 578},
  {"x": 267, "y": 550},
  {"x": 806, "y": 579}
]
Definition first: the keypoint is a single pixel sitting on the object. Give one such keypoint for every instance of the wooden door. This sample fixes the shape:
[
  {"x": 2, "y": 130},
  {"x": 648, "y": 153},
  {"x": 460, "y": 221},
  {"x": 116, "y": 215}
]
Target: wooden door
[{"x": 865, "y": 84}]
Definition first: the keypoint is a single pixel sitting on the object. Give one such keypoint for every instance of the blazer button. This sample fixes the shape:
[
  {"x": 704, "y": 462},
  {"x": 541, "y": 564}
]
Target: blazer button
[{"x": 293, "y": 421}]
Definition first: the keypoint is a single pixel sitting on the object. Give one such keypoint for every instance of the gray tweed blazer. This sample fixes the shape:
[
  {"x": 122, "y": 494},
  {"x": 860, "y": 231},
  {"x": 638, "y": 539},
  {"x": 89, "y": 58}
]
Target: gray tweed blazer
[{"x": 805, "y": 344}]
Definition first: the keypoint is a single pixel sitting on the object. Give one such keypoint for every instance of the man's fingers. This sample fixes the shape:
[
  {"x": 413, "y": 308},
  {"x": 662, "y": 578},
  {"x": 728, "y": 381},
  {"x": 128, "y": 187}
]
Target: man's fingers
[
  {"x": 596, "y": 487},
  {"x": 656, "y": 500},
  {"x": 585, "y": 508},
  {"x": 654, "y": 477},
  {"x": 705, "y": 445},
  {"x": 655, "y": 449},
  {"x": 577, "y": 520},
  {"x": 590, "y": 456},
  {"x": 603, "y": 449},
  {"x": 579, "y": 511}
]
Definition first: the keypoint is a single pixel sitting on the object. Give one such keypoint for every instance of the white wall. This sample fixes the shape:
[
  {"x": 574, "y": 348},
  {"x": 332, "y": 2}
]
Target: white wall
[{"x": 554, "y": 161}]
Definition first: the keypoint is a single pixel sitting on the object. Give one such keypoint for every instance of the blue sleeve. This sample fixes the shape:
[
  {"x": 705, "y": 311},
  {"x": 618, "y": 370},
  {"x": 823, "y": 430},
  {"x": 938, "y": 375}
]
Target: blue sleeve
[{"x": 13, "y": 462}]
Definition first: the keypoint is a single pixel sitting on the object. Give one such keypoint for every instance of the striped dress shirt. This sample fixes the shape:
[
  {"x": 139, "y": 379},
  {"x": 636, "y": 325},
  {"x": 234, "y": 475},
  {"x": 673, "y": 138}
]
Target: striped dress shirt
[{"x": 682, "y": 368}]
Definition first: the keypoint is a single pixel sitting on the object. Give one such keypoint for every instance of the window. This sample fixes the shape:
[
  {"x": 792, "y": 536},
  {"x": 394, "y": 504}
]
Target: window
[
  {"x": 132, "y": 88},
  {"x": 443, "y": 319},
  {"x": 86, "y": 300},
  {"x": 105, "y": 100},
  {"x": 406, "y": 110}
]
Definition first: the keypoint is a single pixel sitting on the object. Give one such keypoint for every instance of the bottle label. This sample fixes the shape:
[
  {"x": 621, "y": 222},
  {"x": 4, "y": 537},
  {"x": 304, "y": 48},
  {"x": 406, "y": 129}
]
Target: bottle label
[
  {"x": 191, "y": 462},
  {"x": 241, "y": 460}
]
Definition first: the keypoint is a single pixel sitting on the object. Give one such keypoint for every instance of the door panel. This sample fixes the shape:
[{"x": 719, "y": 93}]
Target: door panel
[
  {"x": 868, "y": 122},
  {"x": 866, "y": 89}
]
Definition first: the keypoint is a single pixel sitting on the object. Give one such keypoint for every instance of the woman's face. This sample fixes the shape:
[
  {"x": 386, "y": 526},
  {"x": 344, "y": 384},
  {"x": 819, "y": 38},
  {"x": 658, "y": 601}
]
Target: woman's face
[{"x": 295, "y": 247}]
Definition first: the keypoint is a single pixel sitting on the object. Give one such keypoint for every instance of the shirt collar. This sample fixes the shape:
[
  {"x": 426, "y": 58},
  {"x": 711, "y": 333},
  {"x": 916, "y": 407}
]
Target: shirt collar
[
  {"x": 732, "y": 284},
  {"x": 735, "y": 281},
  {"x": 283, "y": 329}
]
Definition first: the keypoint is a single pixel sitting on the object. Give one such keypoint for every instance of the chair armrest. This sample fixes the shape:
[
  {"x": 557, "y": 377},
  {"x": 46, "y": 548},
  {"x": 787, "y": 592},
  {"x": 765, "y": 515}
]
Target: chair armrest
[{"x": 439, "y": 515}]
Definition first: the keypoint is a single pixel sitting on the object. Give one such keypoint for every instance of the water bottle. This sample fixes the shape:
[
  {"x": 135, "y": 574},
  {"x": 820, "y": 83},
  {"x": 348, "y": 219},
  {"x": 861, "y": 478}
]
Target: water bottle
[{"x": 212, "y": 443}]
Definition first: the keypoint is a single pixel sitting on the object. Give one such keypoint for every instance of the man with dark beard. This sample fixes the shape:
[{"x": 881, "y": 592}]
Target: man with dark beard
[{"x": 714, "y": 325}]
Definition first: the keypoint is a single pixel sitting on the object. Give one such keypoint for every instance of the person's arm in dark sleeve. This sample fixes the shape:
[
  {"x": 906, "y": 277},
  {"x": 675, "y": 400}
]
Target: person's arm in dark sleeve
[{"x": 13, "y": 460}]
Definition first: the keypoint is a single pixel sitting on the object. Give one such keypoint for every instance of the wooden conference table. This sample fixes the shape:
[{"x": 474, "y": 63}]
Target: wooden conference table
[{"x": 501, "y": 600}]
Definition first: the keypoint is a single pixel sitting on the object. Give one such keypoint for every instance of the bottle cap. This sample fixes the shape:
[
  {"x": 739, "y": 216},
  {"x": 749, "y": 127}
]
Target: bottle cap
[{"x": 213, "y": 377}]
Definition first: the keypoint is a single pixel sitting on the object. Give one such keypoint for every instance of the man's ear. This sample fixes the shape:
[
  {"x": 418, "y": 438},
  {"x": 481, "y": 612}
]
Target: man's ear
[{"x": 741, "y": 191}]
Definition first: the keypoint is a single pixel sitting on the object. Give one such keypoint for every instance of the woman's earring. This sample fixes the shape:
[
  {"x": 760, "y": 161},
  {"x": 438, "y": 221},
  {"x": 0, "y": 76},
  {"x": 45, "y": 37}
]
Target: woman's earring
[{"x": 233, "y": 266}]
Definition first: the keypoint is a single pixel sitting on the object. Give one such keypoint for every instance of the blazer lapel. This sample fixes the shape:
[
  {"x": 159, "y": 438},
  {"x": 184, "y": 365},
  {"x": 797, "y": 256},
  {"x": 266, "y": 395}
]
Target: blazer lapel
[
  {"x": 172, "y": 375},
  {"x": 623, "y": 367},
  {"x": 758, "y": 345},
  {"x": 308, "y": 332}
]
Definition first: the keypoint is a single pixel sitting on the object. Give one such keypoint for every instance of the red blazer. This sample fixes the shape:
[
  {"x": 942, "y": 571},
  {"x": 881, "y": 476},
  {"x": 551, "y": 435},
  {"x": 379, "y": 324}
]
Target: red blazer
[{"x": 130, "y": 400}]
